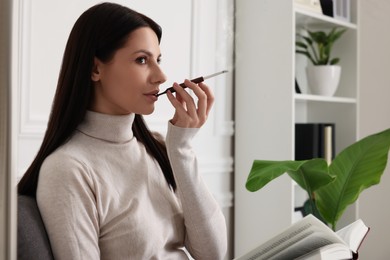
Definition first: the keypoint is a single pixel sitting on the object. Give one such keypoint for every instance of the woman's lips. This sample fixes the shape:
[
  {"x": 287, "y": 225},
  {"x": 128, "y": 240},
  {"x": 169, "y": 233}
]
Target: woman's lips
[{"x": 152, "y": 95}]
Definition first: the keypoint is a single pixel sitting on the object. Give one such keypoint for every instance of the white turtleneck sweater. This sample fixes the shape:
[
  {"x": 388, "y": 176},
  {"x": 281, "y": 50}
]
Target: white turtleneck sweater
[{"x": 102, "y": 196}]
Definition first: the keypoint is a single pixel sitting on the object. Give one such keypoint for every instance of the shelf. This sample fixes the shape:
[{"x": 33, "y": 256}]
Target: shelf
[
  {"x": 304, "y": 18},
  {"x": 288, "y": 107},
  {"x": 307, "y": 97}
]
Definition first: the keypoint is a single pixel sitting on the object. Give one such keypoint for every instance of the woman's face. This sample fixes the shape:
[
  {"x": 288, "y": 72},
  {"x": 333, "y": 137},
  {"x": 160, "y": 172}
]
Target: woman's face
[{"x": 129, "y": 81}]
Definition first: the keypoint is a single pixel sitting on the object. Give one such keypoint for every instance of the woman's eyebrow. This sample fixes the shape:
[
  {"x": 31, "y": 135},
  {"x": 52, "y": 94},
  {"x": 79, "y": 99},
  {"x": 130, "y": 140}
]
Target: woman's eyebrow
[{"x": 148, "y": 53}]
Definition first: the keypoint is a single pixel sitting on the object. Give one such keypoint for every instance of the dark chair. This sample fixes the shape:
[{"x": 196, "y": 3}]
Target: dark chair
[{"x": 33, "y": 242}]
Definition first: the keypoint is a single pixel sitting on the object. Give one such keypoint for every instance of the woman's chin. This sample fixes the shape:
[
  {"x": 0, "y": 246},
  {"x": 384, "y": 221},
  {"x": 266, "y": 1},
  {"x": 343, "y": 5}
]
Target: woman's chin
[{"x": 147, "y": 111}]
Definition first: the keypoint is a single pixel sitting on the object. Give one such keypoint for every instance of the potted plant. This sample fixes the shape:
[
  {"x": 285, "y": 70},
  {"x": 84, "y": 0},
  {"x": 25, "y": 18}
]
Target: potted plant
[
  {"x": 330, "y": 188},
  {"x": 324, "y": 76}
]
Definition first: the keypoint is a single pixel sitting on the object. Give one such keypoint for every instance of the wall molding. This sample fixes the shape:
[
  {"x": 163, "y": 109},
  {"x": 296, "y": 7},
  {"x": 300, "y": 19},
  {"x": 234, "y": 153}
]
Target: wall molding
[
  {"x": 223, "y": 168},
  {"x": 224, "y": 126},
  {"x": 30, "y": 125},
  {"x": 224, "y": 199},
  {"x": 195, "y": 37},
  {"x": 222, "y": 165}
]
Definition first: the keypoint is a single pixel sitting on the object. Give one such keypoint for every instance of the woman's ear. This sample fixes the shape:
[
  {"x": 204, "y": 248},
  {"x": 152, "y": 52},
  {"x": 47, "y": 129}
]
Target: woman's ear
[{"x": 95, "y": 75}]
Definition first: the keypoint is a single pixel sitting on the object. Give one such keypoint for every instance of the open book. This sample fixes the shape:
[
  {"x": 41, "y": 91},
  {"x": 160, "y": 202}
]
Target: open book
[{"x": 310, "y": 239}]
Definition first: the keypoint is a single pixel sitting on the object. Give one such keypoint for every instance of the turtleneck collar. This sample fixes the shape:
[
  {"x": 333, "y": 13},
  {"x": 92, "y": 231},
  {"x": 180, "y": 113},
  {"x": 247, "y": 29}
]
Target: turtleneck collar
[{"x": 111, "y": 128}]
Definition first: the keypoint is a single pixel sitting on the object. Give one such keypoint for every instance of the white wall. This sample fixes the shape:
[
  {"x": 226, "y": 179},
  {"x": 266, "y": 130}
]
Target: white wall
[
  {"x": 197, "y": 40},
  {"x": 264, "y": 117},
  {"x": 374, "y": 105}
]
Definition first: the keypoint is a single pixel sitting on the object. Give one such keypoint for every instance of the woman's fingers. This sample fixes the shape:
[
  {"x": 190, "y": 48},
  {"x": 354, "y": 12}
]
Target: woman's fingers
[
  {"x": 188, "y": 101},
  {"x": 182, "y": 117},
  {"x": 177, "y": 103},
  {"x": 189, "y": 114},
  {"x": 209, "y": 95},
  {"x": 205, "y": 100},
  {"x": 201, "y": 107}
]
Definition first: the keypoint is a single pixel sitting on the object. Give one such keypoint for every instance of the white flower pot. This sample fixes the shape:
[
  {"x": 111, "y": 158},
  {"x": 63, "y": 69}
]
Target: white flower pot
[{"x": 323, "y": 79}]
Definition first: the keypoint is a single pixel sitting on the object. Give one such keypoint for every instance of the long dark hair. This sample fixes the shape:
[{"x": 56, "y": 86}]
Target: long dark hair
[{"x": 99, "y": 32}]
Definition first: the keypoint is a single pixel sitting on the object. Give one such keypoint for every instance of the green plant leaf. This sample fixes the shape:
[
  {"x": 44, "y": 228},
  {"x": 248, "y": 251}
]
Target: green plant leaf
[
  {"x": 319, "y": 45},
  {"x": 357, "y": 167},
  {"x": 301, "y": 45},
  {"x": 308, "y": 55},
  {"x": 334, "y": 34},
  {"x": 314, "y": 53},
  {"x": 318, "y": 37},
  {"x": 332, "y": 188},
  {"x": 327, "y": 50},
  {"x": 309, "y": 207},
  {"x": 334, "y": 61},
  {"x": 307, "y": 39},
  {"x": 262, "y": 172},
  {"x": 309, "y": 174}
]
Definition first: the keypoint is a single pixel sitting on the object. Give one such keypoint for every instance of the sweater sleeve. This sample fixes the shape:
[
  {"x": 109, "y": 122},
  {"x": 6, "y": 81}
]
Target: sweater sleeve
[
  {"x": 67, "y": 204},
  {"x": 206, "y": 236}
]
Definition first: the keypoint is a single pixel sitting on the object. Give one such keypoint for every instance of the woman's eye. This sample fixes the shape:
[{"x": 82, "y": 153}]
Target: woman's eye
[
  {"x": 141, "y": 60},
  {"x": 158, "y": 61}
]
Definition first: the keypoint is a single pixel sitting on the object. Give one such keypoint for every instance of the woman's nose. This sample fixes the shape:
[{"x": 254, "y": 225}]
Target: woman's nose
[{"x": 159, "y": 76}]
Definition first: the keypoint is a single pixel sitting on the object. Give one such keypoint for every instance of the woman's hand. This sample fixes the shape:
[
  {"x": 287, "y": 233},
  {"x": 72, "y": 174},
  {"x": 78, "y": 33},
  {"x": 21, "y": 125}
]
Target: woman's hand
[{"x": 188, "y": 114}]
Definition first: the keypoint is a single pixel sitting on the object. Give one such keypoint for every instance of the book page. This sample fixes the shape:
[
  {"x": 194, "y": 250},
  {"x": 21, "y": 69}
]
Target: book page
[
  {"x": 353, "y": 234},
  {"x": 302, "y": 237},
  {"x": 332, "y": 251}
]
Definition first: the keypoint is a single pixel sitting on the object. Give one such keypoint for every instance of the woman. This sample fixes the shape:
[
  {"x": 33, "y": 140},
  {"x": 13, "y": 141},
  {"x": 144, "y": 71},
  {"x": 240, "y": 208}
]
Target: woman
[{"x": 106, "y": 187}]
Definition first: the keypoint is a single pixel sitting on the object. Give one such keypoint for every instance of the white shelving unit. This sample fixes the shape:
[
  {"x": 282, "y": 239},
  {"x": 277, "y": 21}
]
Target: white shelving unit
[
  {"x": 317, "y": 98},
  {"x": 267, "y": 108},
  {"x": 304, "y": 17}
]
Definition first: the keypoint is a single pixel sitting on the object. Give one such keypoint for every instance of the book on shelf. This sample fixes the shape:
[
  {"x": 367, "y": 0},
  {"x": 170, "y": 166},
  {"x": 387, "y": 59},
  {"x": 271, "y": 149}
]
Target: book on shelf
[
  {"x": 310, "y": 239},
  {"x": 315, "y": 140},
  {"x": 339, "y": 9},
  {"x": 309, "y": 5}
]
